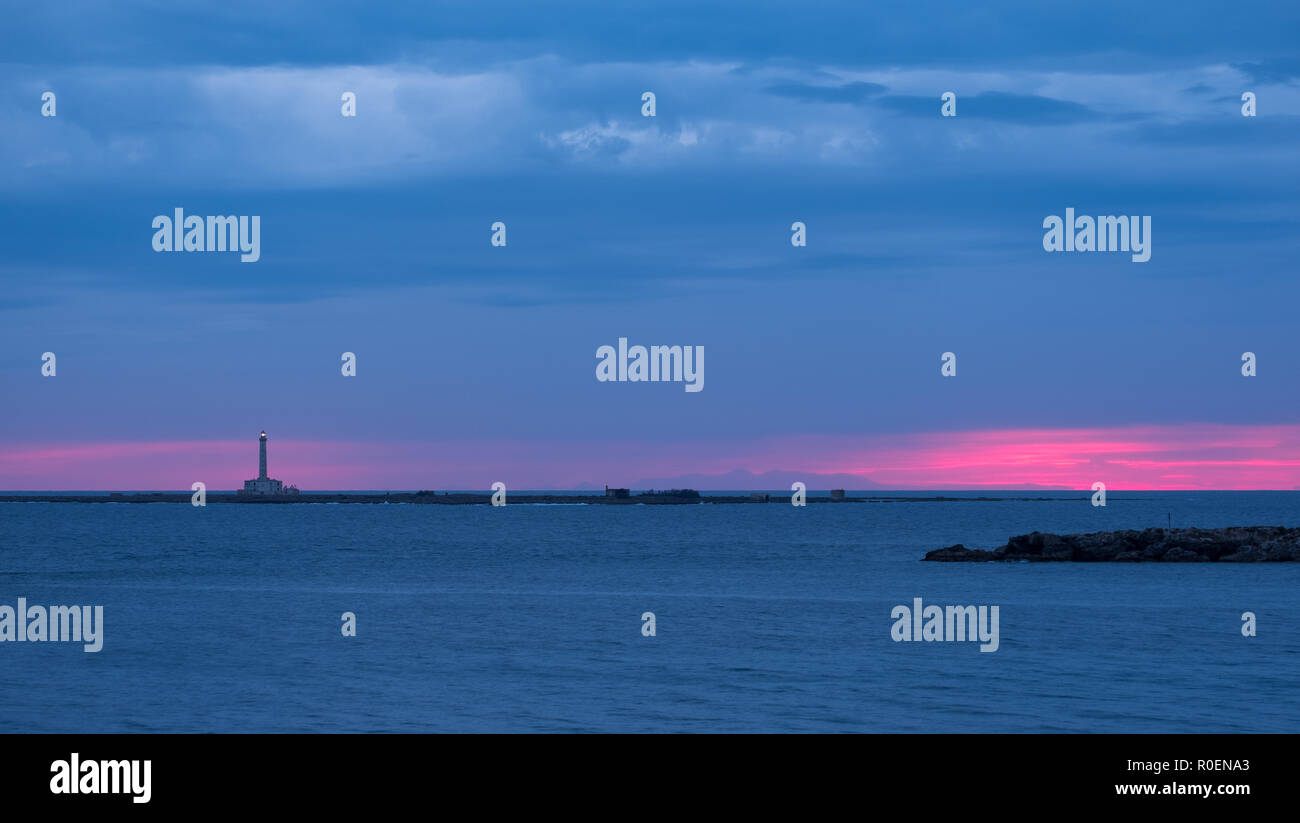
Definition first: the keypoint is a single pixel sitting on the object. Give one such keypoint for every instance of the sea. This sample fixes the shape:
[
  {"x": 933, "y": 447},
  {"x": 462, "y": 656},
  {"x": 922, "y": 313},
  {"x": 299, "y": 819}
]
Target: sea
[{"x": 522, "y": 618}]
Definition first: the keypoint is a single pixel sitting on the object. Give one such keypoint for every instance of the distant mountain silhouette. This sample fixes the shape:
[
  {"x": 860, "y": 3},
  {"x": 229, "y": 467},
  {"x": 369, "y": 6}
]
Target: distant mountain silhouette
[
  {"x": 780, "y": 480},
  {"x": 741, "y": 479}
]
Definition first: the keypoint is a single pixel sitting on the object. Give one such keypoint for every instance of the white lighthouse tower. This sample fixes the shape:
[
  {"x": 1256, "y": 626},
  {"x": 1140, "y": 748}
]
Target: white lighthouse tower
[
  {"x": 265, "y": 485},
  {"x": 261, "y": 457}
]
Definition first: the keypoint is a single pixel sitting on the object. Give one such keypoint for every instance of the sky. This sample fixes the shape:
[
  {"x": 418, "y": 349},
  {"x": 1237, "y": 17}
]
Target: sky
[{"x": 477, "y": 363}]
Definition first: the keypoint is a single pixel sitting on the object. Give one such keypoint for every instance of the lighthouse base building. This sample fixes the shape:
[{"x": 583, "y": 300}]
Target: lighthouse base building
[{"x": 264, "y": 485}]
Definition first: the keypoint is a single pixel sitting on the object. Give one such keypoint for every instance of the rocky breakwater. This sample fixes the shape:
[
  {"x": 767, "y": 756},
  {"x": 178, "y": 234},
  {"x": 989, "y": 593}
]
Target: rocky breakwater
[{"x": 1239, "y": 544}]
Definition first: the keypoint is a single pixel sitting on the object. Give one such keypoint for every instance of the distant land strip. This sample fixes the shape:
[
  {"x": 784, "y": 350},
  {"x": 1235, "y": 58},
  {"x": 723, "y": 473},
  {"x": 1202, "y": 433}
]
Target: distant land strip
[
  {"x": 682, "y": 497},
  {"x": 1235, "y": 544}
]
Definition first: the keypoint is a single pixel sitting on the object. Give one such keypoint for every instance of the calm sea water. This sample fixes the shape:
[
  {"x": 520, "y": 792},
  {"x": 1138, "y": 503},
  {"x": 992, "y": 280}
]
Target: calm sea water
[{"x": 527, "y": 618}]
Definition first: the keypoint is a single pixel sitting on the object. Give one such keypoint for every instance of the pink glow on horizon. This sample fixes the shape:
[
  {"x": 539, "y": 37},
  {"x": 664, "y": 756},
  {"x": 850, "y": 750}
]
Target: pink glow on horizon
[{"x": 1190, "y": 456}]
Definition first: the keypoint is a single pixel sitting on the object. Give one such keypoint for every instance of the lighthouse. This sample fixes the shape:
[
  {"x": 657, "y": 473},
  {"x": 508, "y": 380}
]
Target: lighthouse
[
  {"x": 261, "y": 457},
  {"x": 265, "y": 485}
]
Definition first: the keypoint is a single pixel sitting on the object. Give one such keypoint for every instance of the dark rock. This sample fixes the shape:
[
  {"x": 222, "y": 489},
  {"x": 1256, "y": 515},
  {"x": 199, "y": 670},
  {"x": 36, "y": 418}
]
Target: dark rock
[
  {"x": 1237, "y": 544},
  {"x": 1248, "y": 554},
  {"x": 959, "y": 552},
  {"x": 1182, "y": 556}
]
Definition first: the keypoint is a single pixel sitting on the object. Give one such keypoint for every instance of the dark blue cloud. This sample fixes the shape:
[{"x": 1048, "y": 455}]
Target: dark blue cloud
[
  {"x": 1272, "y": 70},
  {"x": 1019, "y": 108},
  {"x": 847, "y": 93}
]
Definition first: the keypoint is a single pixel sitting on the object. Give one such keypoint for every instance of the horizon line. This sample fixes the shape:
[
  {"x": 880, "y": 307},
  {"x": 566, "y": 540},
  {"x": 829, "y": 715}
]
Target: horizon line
[{"x": 598, "y": 490}]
